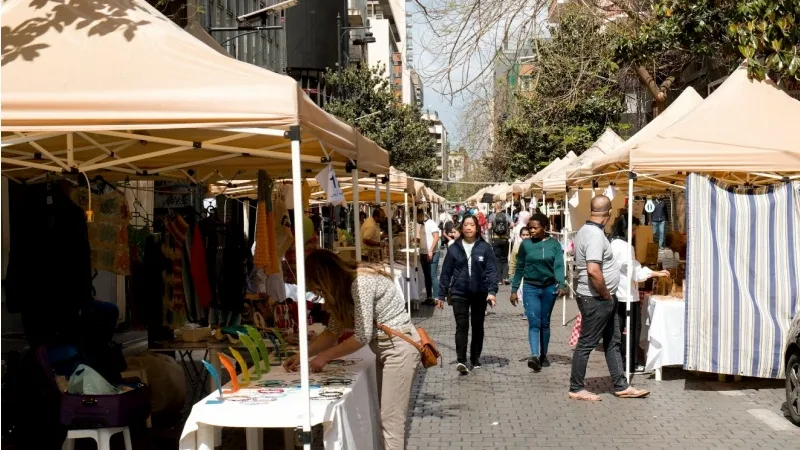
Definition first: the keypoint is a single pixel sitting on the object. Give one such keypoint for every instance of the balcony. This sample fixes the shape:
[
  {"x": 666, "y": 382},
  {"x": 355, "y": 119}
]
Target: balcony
[{"x": 356, "y": 13}]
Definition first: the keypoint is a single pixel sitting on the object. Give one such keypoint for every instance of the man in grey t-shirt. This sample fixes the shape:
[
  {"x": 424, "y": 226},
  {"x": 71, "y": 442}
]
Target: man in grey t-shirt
[{"x": 598, "y": 277}]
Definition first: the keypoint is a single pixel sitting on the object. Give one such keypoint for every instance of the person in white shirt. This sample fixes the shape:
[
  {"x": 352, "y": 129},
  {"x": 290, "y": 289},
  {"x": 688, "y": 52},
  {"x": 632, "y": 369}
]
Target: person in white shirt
[
  {"x": 628, "y": 290},
  {"x": 429, "y": 255},
  {"x": 371, "y": 231}
]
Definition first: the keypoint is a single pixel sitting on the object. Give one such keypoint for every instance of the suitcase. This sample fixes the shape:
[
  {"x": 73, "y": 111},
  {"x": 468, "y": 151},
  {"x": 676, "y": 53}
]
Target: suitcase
[{"x": 106, "y": 411}]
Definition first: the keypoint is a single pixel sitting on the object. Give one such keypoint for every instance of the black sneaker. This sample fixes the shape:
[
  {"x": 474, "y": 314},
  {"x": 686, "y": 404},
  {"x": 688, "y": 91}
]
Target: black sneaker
[
  {"x": 476, "y": 365},
  {"x": 462, "y": 368},
  {"x": 545, "y": 361},
  {"x": 534, "y": 363}
]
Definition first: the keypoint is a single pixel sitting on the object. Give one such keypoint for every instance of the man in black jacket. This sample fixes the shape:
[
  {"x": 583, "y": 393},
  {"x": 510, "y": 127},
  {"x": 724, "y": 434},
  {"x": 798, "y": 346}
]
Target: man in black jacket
[{"x": 469, "y": 281}]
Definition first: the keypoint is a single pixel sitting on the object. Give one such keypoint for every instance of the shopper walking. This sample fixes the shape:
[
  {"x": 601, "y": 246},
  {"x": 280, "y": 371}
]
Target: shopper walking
[
  {"x": 598, "y": 278},
  {"x": 500, "y": 226},
  {"x": 429, "y": 255},
  {"x": 358, "y": 296},
  {"x": 469, "y": 280},
  {"x": 540, "y": 262},
  {"x": 623, "y": 252},
  {"x": 516, "y": 239}
]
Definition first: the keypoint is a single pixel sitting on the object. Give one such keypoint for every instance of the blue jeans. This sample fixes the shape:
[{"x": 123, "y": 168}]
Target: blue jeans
[
  {"x": 538, "y": 303},
  {"x": 435, "y": 274},
  {"x": 658, "y": 232}
]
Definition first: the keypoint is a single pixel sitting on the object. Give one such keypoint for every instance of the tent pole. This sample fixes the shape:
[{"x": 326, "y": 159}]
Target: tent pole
[
  {"x": 408, "y": 254},
  {"x": 356, "y": 214},
  {"x": 628, "y": 355},
  {"x": 415, "y": 241},
  {"x": 299, "y": 251},
  {"x": 389, "y": 224},
  {"x": 378, "y": 192},
  {"x": 565, "y": 233}
]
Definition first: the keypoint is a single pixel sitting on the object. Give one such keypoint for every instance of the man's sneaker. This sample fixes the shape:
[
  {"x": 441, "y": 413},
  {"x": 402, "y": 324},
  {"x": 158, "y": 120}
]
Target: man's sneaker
[
  {"x": 462, "y": 368},
  {"x": 534, "y": 363},
  {"x": 476, "y": 365},
  {"x": 545, "y": 361},
  {"x": 640, "y": 369}
]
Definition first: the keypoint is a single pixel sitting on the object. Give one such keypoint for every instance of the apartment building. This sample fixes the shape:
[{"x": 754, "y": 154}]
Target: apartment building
[
  {"x": 387, "y": 20},
  {"x": 438, "y": 132}
]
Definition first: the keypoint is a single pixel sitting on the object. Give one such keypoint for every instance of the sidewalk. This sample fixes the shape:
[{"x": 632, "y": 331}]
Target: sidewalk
[{"x": 505, "y": 405}]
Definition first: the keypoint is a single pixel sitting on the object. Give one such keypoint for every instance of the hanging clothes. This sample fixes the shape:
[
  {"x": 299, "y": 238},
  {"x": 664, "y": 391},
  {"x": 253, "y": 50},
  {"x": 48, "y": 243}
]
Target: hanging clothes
[
  {"x": 265, "y": 256},
  {"x": 199, "y": 268},
  {"x": 175, "y": 307},
  {"x": 108, "y": 233}
]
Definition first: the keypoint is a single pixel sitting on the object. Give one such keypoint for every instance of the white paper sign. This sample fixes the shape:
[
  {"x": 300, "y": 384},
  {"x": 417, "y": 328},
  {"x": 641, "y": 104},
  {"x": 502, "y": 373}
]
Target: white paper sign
[
  {"x": 610, "y": 192},
  {"x": 649, "y": 206},
  {"x": 574, "y": 201},
  {"x": 533, "y": 203},
  {"x": 330, "y": 184}
]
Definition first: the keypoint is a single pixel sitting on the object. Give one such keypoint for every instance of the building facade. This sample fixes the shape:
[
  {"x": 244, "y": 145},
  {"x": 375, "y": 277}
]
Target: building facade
[
  {"x": 417, "y": 89},
  {"x": 438, "y": 132},
  {"x": 387, "y": 19}
]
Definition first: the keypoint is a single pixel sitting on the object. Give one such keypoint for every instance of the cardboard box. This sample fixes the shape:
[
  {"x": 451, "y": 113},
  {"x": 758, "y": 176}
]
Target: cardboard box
[
  {"x": 651, "y": 257},
  {"x": 644, "y": 236}
]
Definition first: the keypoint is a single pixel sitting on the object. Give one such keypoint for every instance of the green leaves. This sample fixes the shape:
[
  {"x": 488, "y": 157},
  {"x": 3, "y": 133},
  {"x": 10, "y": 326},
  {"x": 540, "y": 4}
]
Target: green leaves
[
  {"x": 767, "y": 37},
  {"x": 364, "y": 99}
]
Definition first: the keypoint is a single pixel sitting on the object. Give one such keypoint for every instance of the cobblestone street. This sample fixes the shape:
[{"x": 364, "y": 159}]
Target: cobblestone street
[{"x": 505, "y": 405}]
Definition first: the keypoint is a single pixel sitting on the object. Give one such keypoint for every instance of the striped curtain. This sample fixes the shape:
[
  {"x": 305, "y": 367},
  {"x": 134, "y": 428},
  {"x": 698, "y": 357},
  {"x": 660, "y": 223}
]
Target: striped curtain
[{"x": 742, "y": 276}]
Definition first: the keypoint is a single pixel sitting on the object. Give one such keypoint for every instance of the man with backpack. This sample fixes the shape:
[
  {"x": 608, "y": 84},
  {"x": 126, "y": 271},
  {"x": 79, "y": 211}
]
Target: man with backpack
[{"x": 499, "y": 226}]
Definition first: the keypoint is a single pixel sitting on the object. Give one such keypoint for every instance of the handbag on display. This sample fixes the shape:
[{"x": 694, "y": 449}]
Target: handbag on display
[{"x": 429, "y": 354}]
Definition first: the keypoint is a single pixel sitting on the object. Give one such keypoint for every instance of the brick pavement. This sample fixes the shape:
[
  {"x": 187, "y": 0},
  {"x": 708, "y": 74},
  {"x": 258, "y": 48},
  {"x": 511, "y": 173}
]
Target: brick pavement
[{"x": 505, "y": 405}]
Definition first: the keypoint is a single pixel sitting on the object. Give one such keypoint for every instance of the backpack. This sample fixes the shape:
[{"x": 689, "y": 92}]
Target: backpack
[{"x": 501, "y": 224}]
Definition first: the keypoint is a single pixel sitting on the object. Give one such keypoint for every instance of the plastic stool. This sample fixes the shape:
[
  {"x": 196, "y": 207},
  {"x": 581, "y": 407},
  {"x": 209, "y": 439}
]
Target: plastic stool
[{"x": 101, "y": 435}]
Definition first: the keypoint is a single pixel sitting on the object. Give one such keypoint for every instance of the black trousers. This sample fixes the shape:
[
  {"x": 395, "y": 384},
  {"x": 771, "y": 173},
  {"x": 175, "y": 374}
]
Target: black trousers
[
  {"x": 599, "y": 321},
  {"x": 636, "y": 331},
  {"x": 426, "y": 273},
  {"x": 462, "y": 307}
]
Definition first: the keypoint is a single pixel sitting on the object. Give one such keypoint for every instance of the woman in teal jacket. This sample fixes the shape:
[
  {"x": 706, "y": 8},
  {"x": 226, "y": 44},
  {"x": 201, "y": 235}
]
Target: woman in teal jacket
[{"x": 540, "y": 261}]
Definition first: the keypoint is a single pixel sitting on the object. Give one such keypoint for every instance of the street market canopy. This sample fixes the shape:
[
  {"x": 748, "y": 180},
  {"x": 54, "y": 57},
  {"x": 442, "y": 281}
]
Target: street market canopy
[
  {"x": 117, "y": 86},
  {"x": 536, "y": 182},
  {"x": 619, "y": 158},
  {"x": 743, "y": 126},
  {"x": 556, "y": 180}
]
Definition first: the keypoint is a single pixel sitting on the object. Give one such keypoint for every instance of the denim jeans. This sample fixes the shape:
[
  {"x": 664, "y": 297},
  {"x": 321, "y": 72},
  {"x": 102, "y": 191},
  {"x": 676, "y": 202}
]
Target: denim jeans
[
  {"x": 538, "y": 303},
  {"x": 434, "y": 264},
  {"x": 658, "y": 233},
  {"x": 461, "y": 310},
  {"x": 599, "y": 320}
]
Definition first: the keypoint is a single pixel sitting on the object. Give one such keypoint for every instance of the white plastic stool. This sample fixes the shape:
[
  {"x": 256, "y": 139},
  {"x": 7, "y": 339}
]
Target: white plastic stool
[{"x": 101, "y": 435}]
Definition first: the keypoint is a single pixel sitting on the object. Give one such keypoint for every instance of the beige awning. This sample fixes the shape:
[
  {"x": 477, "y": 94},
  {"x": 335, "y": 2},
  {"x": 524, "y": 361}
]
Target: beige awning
[
  {"x": 116, "y": 86},
  {"x": 537, "y": 181},
  {"x": 556, "y": 180},
  {"x": 620, "y": 158},
  {"x": 743, "y": 126}
]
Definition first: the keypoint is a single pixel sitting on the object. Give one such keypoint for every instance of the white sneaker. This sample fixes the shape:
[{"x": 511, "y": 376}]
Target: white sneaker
[{"x": 462, "y": 369}]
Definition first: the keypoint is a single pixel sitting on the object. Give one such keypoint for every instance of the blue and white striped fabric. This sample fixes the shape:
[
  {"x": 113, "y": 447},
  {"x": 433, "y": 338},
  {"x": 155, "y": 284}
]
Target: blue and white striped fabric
[{"x": 742, "y": 276}]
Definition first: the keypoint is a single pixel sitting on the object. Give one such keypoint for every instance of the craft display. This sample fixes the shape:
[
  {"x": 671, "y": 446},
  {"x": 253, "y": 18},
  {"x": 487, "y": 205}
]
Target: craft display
[
  {"x": 255, "y": 336},
  {"x": 230, "y": 366},
  {"x": 242, "y": 364},
  {"x": 211, "y": 370},
  {"x": 248, "y": 343}
]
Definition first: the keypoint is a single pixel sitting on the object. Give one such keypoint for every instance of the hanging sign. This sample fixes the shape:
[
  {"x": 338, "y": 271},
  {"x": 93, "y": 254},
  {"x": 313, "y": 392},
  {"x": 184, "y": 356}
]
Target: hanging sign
[
  {"x": 610, "y": 192},
  {"x": 649, "y": 207},
  {"x": 574, "y": 201},
  {"x": 533, "y": 203},
  {"x": 330, "y": 184}
]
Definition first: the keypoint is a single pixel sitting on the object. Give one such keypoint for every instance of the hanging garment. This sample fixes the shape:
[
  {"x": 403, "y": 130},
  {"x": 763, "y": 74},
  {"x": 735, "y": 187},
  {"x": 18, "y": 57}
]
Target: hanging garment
[
  {"x": 199, "y": 268},
  {"x": 108, "y": 233},
  {"x": 175, "y": 307}
]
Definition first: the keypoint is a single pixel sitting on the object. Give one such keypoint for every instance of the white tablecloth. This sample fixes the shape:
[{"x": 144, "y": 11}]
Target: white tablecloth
[
  {"x": 667, "y": 318},
  {"x": 350, "y": 422},
  {"x": 400, "y": 276}
]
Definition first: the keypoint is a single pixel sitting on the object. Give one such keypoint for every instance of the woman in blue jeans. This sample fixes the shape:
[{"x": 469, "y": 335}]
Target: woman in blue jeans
[{"x": 540, "y": 262}]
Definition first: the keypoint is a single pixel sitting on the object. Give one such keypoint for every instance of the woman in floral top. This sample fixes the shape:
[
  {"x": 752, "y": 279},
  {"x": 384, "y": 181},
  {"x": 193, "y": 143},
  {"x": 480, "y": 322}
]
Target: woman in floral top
[{"x": 358, "y": 296}]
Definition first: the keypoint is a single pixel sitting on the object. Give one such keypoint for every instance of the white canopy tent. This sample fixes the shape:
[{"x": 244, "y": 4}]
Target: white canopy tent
[{"x": 117, "y": 87}]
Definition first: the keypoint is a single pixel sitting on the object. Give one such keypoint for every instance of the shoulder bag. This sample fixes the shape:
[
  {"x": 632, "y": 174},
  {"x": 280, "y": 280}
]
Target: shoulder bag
[{"x": 429, "y": 354}]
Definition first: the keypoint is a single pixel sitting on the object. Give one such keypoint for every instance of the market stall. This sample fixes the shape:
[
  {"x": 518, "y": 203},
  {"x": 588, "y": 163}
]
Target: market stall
[
  {"x": 742, "y": 177},
  {"x": 184, "y": 112}
]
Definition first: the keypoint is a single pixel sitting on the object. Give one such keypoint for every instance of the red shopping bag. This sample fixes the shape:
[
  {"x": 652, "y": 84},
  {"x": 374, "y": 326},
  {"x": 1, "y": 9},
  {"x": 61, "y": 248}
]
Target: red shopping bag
[{"x": 576, "y": 332}]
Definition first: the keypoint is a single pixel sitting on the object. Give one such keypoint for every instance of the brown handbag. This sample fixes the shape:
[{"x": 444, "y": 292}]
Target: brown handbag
[{"x": 429, "y": 354}]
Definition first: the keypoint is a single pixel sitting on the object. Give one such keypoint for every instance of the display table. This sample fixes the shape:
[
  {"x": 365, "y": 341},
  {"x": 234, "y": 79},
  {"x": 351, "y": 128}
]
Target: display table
[
  {"x": 400, "y": 276},
  {"x": 197, "y": 375},
  {"x": 349, "y": 422},
  {"x": 667, "y": 316}
]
